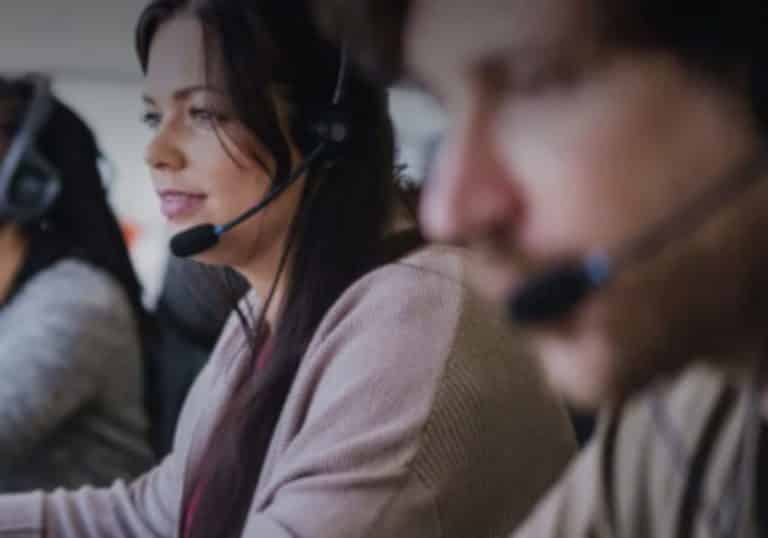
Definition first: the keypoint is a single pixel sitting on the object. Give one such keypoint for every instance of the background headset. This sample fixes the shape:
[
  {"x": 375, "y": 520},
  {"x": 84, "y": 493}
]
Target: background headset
[
  {"x": 324, "y": 131},
  {"x": 29, "y": 183}
]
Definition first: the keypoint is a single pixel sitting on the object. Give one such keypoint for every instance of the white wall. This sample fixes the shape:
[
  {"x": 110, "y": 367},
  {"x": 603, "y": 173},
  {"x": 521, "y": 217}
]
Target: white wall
[
  {"x": 417, "y": 120},
  {"x": 92, "y": 38}
]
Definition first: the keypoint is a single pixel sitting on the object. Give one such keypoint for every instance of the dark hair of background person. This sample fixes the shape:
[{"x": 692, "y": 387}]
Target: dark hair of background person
[
  {"x": 722, "y": 42},
  {"x": 336, "y": 235},
  {"x": 81, "y": 223},
  {"x": 372, "y": 29}
]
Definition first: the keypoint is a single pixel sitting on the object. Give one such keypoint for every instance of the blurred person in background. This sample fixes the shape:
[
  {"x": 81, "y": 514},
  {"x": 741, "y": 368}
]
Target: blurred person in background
[
  {"x": 355, "y": 392},
  {"x": 72, "y": 326},
  {"x": 608, "y": 162}
]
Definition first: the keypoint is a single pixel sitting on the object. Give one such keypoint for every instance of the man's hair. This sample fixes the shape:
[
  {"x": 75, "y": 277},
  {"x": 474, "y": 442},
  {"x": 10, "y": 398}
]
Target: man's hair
[
  {"x": 371, "y": 29},
  {"x": 722, "y": 41}
]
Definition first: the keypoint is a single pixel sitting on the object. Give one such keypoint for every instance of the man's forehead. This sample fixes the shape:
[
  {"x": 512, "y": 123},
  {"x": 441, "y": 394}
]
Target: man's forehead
[{"x": 445, "y": 34}]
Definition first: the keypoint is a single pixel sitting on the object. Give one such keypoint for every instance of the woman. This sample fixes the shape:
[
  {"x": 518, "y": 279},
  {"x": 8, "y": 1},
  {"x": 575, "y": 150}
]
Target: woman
[
  {"x": 358, "y": 393},
  {"x": 71, "y": 321}
]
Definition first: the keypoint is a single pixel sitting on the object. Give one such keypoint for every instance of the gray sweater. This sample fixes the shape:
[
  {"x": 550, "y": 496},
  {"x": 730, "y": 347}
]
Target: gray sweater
[{"x": 71, "y": 394}]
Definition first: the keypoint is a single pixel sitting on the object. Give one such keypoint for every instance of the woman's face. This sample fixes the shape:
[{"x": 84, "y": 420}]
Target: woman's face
[{"x": 205, "y": 165}]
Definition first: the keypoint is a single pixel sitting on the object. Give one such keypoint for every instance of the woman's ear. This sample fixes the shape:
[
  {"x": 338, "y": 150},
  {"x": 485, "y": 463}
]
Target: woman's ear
[
  {"x": 13, "y": 245},
  {"x": 291, "y": 122}
]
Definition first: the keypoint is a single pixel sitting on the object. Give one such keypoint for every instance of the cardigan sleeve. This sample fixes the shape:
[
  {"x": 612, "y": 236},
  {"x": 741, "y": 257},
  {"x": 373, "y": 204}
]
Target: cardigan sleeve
[{"x": 146, "y": 508}]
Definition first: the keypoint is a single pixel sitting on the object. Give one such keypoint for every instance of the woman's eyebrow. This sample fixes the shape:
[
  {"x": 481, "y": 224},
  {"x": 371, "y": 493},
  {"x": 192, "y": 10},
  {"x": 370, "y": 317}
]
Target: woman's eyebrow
[{"x": 185, "y": 93}]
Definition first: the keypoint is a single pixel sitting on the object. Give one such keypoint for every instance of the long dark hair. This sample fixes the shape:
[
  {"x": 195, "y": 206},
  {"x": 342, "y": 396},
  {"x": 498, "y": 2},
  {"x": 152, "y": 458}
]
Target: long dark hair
[
  {"x": 336, "y": 234},
  {"x": 81, "y": 223}
]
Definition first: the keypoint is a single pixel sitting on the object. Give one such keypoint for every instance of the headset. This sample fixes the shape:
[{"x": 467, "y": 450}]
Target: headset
[
  {"x": 29, "y": 183},
  {"x": 325, "y": 132},
  {"x": 555, "y": 292}
]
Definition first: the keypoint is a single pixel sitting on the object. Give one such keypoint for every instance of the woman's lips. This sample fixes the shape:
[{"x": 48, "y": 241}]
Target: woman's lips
[{"x": 177, "y": 204}]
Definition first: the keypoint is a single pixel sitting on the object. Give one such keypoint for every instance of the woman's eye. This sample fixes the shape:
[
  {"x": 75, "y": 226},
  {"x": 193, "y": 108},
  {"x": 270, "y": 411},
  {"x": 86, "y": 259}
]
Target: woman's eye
[
  {"x": 151, "y": 119},
  {"x": 206, "y": 116}
]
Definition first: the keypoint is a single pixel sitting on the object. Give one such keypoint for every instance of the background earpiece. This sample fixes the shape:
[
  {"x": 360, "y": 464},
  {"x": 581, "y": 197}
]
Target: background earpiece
[{"x": 29, "y": 184}]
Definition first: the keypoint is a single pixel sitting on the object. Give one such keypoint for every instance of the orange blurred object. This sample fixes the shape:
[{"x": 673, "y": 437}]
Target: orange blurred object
[{"x": 131, "y": 233}]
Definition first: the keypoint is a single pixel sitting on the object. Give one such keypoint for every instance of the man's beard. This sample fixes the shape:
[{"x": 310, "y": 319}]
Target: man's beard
[{"x": 703, "y": 298}]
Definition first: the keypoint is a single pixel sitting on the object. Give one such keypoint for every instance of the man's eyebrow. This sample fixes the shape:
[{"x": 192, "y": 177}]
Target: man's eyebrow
[{"x": 502, "y": 65}]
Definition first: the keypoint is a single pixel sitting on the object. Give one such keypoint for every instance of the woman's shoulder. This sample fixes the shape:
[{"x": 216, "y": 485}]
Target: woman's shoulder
[
  {"x": 431, "y": 262},
  {"x": 424, "y": 286},
  {"x": 429, "y": 270},
  {"x": 427, "y": 286},
  {"x": 420, "y": 306}
]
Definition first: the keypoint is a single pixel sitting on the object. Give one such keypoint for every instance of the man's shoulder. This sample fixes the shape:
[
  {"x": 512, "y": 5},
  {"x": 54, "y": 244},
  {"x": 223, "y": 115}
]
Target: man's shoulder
[
  {"x": 661, "y": 426},
  {"x": 667, "y": 444}
]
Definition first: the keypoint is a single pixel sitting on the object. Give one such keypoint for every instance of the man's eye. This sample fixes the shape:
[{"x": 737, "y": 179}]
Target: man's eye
[{"x": 549, "y": 77}]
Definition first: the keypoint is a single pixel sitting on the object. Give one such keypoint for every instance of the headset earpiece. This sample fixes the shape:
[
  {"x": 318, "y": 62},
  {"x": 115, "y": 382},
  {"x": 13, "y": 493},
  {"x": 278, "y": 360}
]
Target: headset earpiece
[
  {"x": 332, "y": 129},
  {"x": 326, "y": 124},
  {"x": 322, "y": 125},
  {"x": 34, "y": 187}
]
